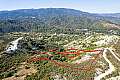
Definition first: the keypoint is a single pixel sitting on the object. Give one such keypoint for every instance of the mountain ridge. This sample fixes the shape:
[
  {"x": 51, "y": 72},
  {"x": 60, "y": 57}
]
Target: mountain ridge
[{"x": 49, "y": 18}]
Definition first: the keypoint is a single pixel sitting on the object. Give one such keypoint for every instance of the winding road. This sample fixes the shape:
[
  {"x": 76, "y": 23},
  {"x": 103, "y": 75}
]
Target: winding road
[{"x": 111, "y": 67}]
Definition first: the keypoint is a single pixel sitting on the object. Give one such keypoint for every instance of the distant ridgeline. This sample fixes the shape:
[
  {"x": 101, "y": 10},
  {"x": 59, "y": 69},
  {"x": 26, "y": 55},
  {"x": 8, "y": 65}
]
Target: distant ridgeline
[{"x": 56, "y": 20}]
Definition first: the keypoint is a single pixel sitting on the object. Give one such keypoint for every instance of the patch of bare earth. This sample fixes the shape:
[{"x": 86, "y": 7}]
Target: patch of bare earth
[{"x": 22, "y": 72}]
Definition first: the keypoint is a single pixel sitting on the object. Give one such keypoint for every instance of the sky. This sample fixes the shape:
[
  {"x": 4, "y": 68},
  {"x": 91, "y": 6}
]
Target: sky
[{"x": 92, "y": 6}]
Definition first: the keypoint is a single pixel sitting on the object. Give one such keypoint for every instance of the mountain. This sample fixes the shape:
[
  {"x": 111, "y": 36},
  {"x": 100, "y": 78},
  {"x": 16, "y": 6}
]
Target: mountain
[
  {"x": 41, "y": 12},
  {"x": 113, "y": 17},
  {"x": 51, "y": 20},
  {"x": 44, "y": 12}
]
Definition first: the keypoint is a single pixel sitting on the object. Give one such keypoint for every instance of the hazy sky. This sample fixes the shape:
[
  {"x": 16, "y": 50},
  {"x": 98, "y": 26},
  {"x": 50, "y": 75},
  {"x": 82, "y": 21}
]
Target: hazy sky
[{"x": 93, "y": 6}]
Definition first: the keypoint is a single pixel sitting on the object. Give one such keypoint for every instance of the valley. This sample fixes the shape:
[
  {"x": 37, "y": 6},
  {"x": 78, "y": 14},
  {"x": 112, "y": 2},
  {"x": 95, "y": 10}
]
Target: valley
[{"x": 58, "y": 44}]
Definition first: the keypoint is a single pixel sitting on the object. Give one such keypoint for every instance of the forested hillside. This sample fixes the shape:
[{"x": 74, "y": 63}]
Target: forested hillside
[{"x": 50, "y": 20}]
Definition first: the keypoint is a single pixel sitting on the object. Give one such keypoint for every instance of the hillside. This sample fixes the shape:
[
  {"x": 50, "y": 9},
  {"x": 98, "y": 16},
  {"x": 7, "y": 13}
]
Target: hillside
[
  {"x": 58, "y": 44},
  {"x": 50, "y": 20}
]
